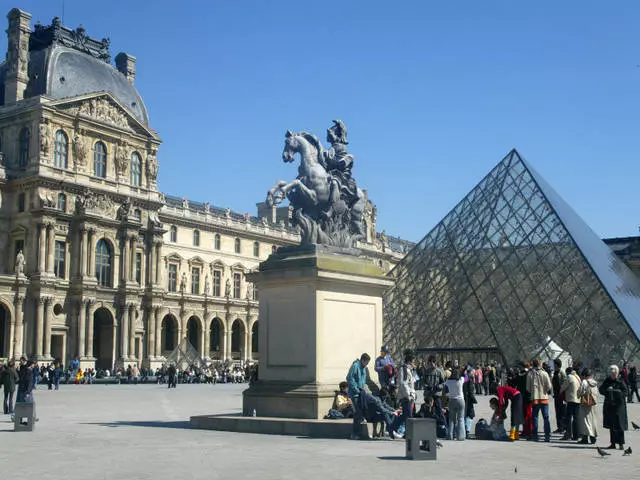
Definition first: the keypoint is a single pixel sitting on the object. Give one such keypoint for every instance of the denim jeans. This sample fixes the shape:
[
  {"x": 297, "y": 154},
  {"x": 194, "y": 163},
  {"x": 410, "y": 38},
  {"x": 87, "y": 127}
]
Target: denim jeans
[
  {"x": 357, "y": 417},
  {"x": 407, "y": 411},
  {"x": 456, "y": 418},
  {"x": 467, "y": 424},
  {"x": 544, "y": 408},
  {"x": 8, "y": 402}
]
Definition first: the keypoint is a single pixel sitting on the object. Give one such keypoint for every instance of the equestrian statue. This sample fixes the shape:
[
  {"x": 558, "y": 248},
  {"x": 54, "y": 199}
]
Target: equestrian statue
[{"x": 327, "y": 204}]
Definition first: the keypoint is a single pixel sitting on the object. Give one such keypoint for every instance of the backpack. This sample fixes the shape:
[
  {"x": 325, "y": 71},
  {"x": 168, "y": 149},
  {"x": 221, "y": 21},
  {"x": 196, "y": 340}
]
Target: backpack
[{"x": 482, "y": 431}]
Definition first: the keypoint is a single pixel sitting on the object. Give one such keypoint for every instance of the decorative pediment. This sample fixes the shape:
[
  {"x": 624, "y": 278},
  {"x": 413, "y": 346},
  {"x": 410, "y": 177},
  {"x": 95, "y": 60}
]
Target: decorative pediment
[{"x": 103, "y": 108}]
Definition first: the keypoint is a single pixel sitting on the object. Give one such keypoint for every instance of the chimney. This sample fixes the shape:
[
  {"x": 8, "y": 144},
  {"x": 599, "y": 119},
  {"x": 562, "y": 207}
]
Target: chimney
[
  {"x": 18, "y": 35},
  {"x": 126, "y": 65}
]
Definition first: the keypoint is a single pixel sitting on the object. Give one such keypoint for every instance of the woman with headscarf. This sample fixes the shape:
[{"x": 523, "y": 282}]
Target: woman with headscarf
[
  {"x": 586, "y": 419},
  {"x": 614, "y": 410}
]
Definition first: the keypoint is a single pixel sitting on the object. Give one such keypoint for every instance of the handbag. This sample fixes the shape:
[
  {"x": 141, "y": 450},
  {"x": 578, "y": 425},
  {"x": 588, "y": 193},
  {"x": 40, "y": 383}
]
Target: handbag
[{"x": 588, "y": 400}]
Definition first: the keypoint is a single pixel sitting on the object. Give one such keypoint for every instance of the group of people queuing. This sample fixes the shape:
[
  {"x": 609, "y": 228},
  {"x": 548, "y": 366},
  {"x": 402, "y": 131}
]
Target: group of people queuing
[
  {"x": 523, "y": 393},
  {"x": 210, "y": 374},
  {"x": 18, "y": 383}
]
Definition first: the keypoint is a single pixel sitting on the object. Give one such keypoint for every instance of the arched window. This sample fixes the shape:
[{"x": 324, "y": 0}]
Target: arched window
[
  {"x": 100, "y": 160},
  {"x": 173, "y": 234},
  {"x": 256, "y": 249},
  {"x": 23, "y": 148},
  {"x": 237, "y": 246},
  {"x": 103, "y": 263},
  {"x": 136, "y": 170},
  {"x": 216, "y": 241},
  {"x": 137, "y": 213},
  {"x": 60, "y": 149},
  {"x": 196, "y": 238},
  {"x": 62, "y": 202}
]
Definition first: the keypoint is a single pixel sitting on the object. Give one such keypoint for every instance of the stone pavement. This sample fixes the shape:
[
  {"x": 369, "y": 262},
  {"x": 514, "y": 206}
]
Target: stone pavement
[{"x": 141, "y": 432}]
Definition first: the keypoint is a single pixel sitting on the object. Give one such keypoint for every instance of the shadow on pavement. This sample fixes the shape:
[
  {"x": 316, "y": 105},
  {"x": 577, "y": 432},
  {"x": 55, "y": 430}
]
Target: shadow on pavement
[
  {"x": 153, "y": 424},
  {"x": 392, "y": 458}
]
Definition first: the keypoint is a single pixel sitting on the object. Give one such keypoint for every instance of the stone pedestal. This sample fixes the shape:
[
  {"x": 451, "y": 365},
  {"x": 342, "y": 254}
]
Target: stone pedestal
[{"x": 320, "y": 309}]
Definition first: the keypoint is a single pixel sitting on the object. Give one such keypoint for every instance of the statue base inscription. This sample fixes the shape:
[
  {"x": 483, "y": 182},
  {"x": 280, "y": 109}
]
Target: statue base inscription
[{"x": 320, "y": 308}]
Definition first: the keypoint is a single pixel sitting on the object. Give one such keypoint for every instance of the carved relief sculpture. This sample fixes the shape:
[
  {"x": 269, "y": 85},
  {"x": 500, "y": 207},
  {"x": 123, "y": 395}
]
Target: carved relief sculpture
[
  {"x": 20, "y": 263},
  {"x": 121, "y": 159},
  {"x": 152, "y": 165},
  {"x": 103, "y": 110},
  {"x": 79, "y": 151},
  {"x": 45, "y": 142}
]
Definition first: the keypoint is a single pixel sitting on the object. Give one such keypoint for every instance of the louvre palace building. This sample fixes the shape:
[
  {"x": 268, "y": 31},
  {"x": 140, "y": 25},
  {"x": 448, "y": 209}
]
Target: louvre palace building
[{"x": 97, "y": 262}]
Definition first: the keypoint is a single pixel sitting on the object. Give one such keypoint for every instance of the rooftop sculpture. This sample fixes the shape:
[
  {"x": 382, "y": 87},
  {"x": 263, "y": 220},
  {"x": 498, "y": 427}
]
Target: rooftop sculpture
[{"x": 327, "y": 204}]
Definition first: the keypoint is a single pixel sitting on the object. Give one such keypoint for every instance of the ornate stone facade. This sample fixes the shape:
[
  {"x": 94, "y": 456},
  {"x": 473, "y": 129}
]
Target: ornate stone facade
[{"x": 113, "y": 271}]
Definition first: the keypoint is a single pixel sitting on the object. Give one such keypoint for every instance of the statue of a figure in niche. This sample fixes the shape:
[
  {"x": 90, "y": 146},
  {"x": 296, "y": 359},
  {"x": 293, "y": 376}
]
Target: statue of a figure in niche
[{"x": 327, "y": 204}]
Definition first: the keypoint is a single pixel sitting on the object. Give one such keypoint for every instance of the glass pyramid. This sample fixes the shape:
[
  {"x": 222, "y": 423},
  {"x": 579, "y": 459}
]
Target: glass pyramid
[{"x": 513, "y": 267}]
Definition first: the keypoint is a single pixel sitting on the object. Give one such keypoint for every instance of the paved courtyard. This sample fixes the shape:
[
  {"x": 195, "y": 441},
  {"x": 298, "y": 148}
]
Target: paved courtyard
[{"x": 142, "y": 432}]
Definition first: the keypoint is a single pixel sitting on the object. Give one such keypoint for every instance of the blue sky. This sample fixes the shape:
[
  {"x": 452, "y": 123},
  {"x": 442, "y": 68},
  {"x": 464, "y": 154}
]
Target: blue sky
[{"x": 434, "y": 94}]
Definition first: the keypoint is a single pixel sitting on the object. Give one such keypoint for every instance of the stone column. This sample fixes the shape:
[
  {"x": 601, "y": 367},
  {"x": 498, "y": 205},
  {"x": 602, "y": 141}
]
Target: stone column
[
  {"x": 132, "y": 331},
  {"x": 83, "y": 252},
  {"x": 151, "y": 332},
  {"x": 50, "y": 247},
  {"x": 245, "y": 350},
  {"x": 151, "y": 266},
  {"x": 132, "y": 266},
  {"x": 91, "y": 253},
  {"x": 158, "y": 277},
  {"x": 90, "y": 333},
  {"x": 158, "y": 333},
  {"x": 82, "y": 316},
  {"x": 47, "y": 327},
  {"x": 39, "y": 326},
  {"x": 42, "y": 245},
  {"x": 227, "y": 337},
  {"x": 124, "y": 258},
  {"x": 207, "y": 337},
  {"x": 124, "y": 329},
  {"x": 18, "y": 335},
  {"x": 249, "y": 355}
]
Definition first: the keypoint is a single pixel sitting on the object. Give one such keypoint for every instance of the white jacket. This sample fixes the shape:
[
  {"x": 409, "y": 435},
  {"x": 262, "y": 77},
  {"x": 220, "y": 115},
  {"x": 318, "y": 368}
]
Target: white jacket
[{"x": 406, "y": 383}]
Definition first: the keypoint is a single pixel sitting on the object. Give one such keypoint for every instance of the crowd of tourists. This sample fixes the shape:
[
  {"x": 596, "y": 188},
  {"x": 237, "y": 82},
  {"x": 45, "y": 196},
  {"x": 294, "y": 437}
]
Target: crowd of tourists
[{"x": 521, "y": 393}]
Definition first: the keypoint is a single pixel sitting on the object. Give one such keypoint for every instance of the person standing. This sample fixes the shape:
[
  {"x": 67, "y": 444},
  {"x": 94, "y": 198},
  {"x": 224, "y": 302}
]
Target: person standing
[
  {"x": 570, "y": 390},
  {"x": 633, "y": 384},
  {"x": 559, "y": 376},
  {"x": 588, "y": 395},
  {"x": 527, "y": 405},
  {"x": 539, "y": 387},
  {"x": 614, "y": 409},
  {"x": 406, "y": 388},
  {"x": 356, "y": 382},
  {"x": 382, "y": 361},
  {"x": 9, "y": 380},
  {"x": 26, "y": 385},
  {"x": 171, "y": 373},
  {"x": 433, "y": 383},
  {"x": 454, "y": 385},
  {"x": 468, "y": 392}
]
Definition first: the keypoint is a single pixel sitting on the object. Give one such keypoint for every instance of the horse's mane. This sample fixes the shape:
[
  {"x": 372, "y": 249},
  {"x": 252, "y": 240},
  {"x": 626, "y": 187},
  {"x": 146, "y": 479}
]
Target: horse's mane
[{"x": 313, "y": 140}]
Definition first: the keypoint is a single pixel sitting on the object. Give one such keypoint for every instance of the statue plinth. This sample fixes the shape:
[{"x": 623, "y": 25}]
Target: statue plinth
[{"x": 320, "y": 309}]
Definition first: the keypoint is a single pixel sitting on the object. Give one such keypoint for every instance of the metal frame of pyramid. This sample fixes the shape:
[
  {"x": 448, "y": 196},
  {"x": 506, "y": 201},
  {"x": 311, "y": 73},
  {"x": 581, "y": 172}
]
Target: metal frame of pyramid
[
  {"x": 513, "y": 267},
  {"x": 185, "y": 355}
]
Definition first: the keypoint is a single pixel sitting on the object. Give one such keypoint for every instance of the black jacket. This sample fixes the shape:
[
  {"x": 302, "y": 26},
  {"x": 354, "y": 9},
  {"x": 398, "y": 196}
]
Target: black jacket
[
  {"x": 614, "y": 409},
  {"x": 25, "y": 384},
  {"x": 9, "y": 378}
]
